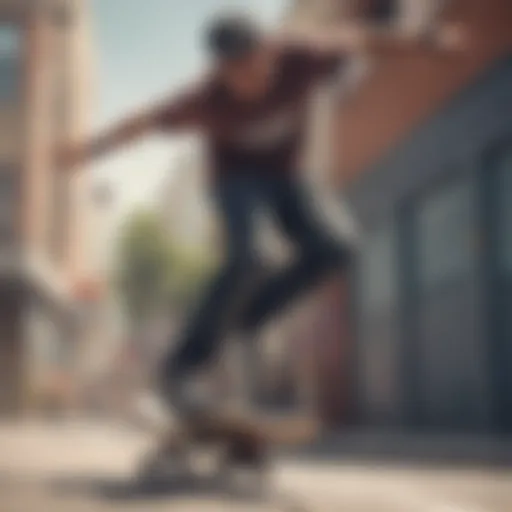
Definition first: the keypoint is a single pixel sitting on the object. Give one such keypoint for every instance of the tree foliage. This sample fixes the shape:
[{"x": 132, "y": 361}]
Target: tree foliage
[
  {"x": 152, "y": 271},
  {"x": 143, "y": 257}
]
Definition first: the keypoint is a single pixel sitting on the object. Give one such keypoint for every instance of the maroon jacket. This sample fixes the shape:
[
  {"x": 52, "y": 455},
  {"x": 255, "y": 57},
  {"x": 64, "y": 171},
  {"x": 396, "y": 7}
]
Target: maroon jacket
[{"x": 266, "y": 135}]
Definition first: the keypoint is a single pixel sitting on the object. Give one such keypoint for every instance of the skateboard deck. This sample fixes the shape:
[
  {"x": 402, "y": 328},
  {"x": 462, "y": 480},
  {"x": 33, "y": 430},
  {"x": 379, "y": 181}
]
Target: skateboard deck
[
  {"x": 245, "y": 441},
  {"x": 226, "y": 426},
  {"x": 270, "y": 429},
  {"x": 246, "y": 438}
]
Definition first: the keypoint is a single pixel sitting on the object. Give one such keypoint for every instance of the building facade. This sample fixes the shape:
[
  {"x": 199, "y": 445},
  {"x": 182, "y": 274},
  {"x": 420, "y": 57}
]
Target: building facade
[
  {"x": 45, "y": 87},
  {"x": 425, "y": 161},
  {"x": 420, "y": 148}
]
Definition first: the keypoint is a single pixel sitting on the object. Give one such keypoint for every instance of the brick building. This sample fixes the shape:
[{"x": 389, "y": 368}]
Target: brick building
[
  {"x": 422, "y": 151},
  {"x": 45, "y": 87}
]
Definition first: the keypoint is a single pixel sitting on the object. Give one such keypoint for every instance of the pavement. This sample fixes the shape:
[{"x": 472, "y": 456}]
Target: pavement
[
  {"x": 400, "y": 446},
  {"x": 81, "y": 465}
]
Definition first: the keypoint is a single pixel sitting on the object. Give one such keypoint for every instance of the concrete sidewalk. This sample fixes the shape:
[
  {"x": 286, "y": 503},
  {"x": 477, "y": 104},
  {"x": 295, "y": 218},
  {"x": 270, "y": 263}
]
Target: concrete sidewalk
[
  {"x": 37, "y": 447},
  {"x": 57, "y": 439},
  {"x": 81, "y": 465}
]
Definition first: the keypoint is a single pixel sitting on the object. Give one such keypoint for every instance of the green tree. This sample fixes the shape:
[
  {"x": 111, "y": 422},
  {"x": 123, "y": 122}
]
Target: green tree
[
  {"x": 144, "y": 257},
  {"x": 189, "y": 271},
  {"x": 154, "y": 272}
]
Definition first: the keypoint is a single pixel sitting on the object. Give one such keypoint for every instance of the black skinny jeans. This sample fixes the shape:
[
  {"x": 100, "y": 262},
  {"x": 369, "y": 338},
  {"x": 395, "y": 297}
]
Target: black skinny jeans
[{"x": 239, "y": 298}]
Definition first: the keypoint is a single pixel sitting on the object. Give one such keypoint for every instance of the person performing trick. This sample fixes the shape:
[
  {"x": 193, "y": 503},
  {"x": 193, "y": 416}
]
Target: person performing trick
[{"x": 251, "y": 108}]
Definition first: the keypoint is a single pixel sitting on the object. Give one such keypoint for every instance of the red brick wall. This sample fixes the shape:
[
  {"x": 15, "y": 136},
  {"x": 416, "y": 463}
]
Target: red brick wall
[
  {"x": 325, "y": 343},
  {"x": 401, "y": 92},
  {"x": 333, "y": 353}
]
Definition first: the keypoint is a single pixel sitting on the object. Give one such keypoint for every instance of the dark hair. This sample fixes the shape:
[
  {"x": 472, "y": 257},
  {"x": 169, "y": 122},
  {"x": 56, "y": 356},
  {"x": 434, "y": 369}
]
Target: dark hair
[{"x": 231, "y": 36}]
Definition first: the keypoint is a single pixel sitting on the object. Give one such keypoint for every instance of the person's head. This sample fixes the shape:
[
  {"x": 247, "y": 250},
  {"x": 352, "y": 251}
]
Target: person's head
[{"x": 241, "y": 55}]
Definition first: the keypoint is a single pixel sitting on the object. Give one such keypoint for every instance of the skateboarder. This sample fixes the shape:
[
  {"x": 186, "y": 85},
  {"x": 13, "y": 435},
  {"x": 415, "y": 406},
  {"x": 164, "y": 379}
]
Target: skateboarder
[{"x": 251, "y": 109}]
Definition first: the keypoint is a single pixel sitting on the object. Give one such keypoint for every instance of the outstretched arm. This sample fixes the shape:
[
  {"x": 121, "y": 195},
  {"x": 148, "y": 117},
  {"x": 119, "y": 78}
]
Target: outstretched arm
[
  {"x": 179, "y": 113},
  {"x": 356, "y": 38}
]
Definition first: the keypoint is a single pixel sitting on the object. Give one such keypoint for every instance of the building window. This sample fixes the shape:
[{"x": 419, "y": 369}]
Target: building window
[
  {"x": 446, "y": 235},
  {"x": 10, "y": 62},
  {"x": 504, "y": 206},
  {"x": 378, "y": 277}
]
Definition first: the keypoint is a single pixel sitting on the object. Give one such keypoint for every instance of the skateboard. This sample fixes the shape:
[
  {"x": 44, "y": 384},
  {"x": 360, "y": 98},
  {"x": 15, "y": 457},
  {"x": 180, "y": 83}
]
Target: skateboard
[{"x": 241, "y": 443}]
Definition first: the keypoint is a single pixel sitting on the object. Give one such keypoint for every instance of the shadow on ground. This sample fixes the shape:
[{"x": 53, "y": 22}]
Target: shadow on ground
[
  {"x": 119, "y": 492},
  {"x": 398, "y": 449},
  {"x": 130, "y": 490}
]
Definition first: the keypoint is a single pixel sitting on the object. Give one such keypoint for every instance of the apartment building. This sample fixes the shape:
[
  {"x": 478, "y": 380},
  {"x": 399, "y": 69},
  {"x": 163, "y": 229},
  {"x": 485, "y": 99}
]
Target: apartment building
[{"x": 45, "y": 88}]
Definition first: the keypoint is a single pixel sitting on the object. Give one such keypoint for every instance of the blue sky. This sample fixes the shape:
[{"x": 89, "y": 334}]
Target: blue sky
[{"x": 144, "y": 49}]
